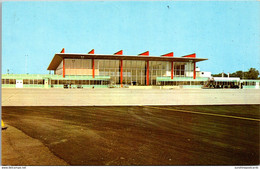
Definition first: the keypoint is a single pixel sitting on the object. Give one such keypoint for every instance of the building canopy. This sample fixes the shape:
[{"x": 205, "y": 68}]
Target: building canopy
[{"x": 57, "y": 59}]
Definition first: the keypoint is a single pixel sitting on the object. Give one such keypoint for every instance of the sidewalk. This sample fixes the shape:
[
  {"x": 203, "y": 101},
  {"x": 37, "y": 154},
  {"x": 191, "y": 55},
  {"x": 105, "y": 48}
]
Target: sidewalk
[
  {"x": 20, "y": 149},
  {"x": 125, "y": 97}
]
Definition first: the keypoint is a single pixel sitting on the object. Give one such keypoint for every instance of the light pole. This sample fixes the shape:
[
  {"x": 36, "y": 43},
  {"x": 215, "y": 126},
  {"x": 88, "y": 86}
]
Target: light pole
[{"x": 26, "y": 64}]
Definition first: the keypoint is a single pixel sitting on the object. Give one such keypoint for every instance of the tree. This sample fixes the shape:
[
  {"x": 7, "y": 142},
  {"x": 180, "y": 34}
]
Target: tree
[
  {"x": 239, "y": 74},
  {"x": 252, "y": 73},
  {"x": 219, "y": 75}
]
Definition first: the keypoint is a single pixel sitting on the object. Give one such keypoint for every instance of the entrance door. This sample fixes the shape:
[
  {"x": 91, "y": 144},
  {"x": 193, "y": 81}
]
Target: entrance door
[
  {"x": 19, "y": 83},
  {"x": 46, "y": 84}
]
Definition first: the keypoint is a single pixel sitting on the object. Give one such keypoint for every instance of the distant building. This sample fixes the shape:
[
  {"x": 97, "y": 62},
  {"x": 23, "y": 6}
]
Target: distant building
[{"x": 117, "y": 70}]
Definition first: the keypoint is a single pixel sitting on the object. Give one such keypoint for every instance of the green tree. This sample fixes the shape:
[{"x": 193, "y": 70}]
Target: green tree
[
  {"x": 237, "y": 74},
  {"x": 219, "y": 75},
  {"x": 252, "y": 74}
]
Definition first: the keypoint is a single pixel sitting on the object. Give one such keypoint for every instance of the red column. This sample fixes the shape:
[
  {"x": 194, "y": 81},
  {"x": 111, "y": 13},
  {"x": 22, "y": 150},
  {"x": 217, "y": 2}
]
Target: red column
[
  {"x": 121, "y": 73},
  {"x": 194, "y": 71},
  {"x": 63, "y": 68},
  {"x": 93, "y": 68},
  {"x": 147, "y": 73},
  {"x": 93, "y": 63},
  {"x": 172, "y": 70}
]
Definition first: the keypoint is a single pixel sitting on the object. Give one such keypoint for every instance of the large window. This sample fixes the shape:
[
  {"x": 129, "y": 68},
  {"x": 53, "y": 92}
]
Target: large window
[
  {"x": 109, "y": 68},
  {"x": 158, "y": 69},
  {"x": 39, "y": 81},
  {"x": 8, "y": 81},
  {"x": 249, "y": 83},
  {"x": 134, "y": 72},
  {"x": 26, "y": 81},
  {"x": 80, "y": 82},
  {"x": 54, "y": 81},
  {"x": 179, "y": 70},
  {"x": 178, "y": 83},
  {"x": 85, "y": 82},
  {"x": 12, "y": 81}
]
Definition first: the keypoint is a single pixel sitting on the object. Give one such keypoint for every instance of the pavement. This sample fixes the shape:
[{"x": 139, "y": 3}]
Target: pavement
[
  {"x": 125, "y": 97},
  {"x": 131, "y": 135},
  {"x": 22, "y": 150}
]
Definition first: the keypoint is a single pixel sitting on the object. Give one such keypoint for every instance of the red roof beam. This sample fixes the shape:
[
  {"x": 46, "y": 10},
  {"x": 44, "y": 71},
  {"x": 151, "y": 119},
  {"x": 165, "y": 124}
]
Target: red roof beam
[
  {"x": 91, "y": 52},
  {"x": 190, "y": 56},
  {"x": 168, "y": 54},
  {"x": 119, "y": 52},
  {"x": 62, "y": 50},
  {"x": 144, "y": 54}
]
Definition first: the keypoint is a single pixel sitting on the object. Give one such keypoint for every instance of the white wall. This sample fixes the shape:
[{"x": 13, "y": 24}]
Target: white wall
[
  {"x": 77, "y": 67},
  {"x": 204, "y": 74},
  {"x": 19, "y": 83}
]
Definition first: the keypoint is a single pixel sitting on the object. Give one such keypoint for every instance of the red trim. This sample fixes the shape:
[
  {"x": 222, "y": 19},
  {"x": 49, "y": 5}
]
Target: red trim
[
  {"x": 168, "y": 54},
  {"x": 172, "y": 70},
  {"x": 119, "y": 52},
  {"x": 190, "y": 56},
  {"x": 93, "y": 68},
  {"x": 147, "y": 73},
  {"x": 121, "y": 73},
  {"x": 145, "y": 53},
  {"x": 92, "y": 51},
  {"x": 63, "y": 73},
  {"x": 62, "y": 50},
  {"x": 194, "y": 71}
]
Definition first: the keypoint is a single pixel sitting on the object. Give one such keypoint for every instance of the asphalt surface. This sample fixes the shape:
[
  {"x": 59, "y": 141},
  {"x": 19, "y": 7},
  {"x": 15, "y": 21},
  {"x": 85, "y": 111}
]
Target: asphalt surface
[{"x": 142, "y": 135}]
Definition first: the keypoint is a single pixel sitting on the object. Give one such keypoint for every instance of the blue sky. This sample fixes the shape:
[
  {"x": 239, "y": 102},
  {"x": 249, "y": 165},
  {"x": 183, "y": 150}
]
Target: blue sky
[{"x": 227, "y": 33}]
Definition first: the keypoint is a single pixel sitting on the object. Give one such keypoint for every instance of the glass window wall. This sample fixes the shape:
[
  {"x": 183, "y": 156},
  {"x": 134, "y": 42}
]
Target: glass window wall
[
  {"x": 8, "y": 81},
  {"x": 158, "y": 69}
]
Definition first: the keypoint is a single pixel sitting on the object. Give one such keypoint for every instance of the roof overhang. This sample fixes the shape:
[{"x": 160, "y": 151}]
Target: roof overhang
[
  {"x": 60, "y": 56},
  {"x": 226, "y": 79}
]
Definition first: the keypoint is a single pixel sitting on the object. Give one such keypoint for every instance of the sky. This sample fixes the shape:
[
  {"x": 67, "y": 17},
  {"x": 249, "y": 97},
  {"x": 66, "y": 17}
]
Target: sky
[{"x": 225, "y": 32}]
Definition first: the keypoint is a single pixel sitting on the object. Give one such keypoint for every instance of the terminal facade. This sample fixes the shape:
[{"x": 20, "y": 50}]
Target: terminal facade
[{"x": 118, "y": 70}]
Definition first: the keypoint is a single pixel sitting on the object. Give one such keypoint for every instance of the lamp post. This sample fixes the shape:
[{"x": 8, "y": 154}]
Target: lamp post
[{"x": 26, "y": 64}]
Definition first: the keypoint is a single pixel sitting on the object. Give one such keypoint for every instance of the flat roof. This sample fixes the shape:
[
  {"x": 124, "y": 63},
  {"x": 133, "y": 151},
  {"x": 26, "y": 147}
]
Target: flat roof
[
  {"x": 226, "y": 79},
  {"x": 58, "y": 57}
]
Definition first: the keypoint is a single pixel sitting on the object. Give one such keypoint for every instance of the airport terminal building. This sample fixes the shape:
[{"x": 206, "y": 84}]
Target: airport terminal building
[{"x": 90, "y": 70}]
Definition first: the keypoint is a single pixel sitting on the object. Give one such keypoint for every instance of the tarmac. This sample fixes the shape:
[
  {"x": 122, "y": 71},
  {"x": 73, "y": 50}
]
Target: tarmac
[
  {"x": 142, "y": 130},
  {"x": 124, "y": 97},
  {"x": 131, "y": 135}
]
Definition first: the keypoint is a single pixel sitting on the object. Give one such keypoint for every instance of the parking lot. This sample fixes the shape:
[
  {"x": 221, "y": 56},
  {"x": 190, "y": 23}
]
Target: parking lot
[{"x": 132, "y": 135}]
